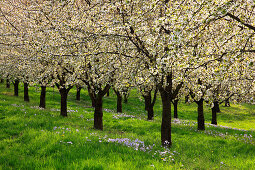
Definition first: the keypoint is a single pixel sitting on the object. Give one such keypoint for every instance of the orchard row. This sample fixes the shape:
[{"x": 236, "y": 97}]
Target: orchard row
[{"x": 201, "y": 49}]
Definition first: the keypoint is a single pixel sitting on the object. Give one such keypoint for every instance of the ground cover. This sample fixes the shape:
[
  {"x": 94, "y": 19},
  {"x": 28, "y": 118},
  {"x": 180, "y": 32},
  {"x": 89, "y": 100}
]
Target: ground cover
[{"x": 34, "y": 138}]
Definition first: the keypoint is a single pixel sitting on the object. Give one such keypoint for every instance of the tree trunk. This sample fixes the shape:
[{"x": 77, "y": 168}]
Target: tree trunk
[
  {"x": 43, "y": 97},
  {"x": 147, "y": 101},
  {"x": 26, "y": 96},
  {"x": 187, "y": 99},
  {"x": 92, "y": 98},
  {"x": 149, "y": 106},
  {"x": 78, "y": 93},
  {"x": 7, "y": 83},
  {"x": 150, "y": 112},
  {"x": 93, "y": 102},
  {"x": 63, "y": 94},
  {"x": 125, "y": 98},
  {"x": 166, "y": 118},
  {"x": 175, "y": 108},
  {"x": 217, "y": 106},
  {"x": 1, "y": 80},
  {"x": 200, "y": 117},
  {"x": 108, "y": 93},
  {"x": 98, "y": 114},
  {"x": 119, "y": 101},
  {"x": 214, "y": 113},
  {"x": 227, "y": 103},
  {"x": 16, "y": 88}
]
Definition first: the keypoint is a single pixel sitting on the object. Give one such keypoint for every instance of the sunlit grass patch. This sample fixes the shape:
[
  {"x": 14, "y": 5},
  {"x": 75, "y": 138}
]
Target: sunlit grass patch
[
  {"x": 7, "y": 93},
  {"x": 238, "y": 116}
]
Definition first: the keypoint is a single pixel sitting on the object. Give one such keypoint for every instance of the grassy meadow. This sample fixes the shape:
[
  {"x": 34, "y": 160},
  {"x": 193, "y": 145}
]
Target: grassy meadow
[{"x": 34, "y": 138}]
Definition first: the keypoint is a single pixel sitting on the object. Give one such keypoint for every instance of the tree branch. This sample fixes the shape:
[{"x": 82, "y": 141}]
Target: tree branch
[
  {"x": 155, "y": 96},
  {"x": 9, "y": 21},
  {"x": 240, "y": 21}
]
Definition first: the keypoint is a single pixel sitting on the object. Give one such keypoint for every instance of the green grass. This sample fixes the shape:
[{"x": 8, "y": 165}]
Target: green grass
[{"x": 32, "y": 138}]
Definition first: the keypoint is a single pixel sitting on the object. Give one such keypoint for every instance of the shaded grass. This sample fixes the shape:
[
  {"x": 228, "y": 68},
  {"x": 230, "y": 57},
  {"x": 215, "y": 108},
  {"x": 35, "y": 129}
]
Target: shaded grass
[{"x": 31, "y": 138}]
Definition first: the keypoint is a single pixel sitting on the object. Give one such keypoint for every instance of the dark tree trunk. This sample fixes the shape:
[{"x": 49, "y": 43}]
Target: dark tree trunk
[
  {"x": 200, "y": 117},
  {"x": 93, "y": 102},
  {"x": 43, "y": 97},
  {"x": 149, "y": 106},
  {"x": 16, "y": 88},
  {"x": 7, "y": 83},
  {"x": 98, "y": 114},
  {"x": 147, "y": 100},
  {"x": 227, "y": 103},
  {"x": 214, "y": 113},
  {"x": 63, "y": 93},
  {"x": 78, "y": 93},
  {"x": 92, "y": 97},
  {"x": 150, "y": 112},
  {"x": 125, "y": 98},
  {"x": 108, "y": 93},
  {"x": 1, "y": 80},
  {"x": 217, "y": 106},
  {"x": 166, "y": 118},
  {"x": 119, "y": 101},
  {"x": 187, "y": 99},
  {"x": 176, "y": 108},
  {"x": 26, "y": 96}
]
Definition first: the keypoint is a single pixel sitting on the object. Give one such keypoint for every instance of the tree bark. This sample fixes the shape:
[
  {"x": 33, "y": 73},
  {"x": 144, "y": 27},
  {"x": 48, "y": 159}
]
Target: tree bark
[
  {"x": 166, "y": 118},
  {"x": 217, "y": 106},
  {"x": 63, "y": 93},
  {"x": 147, "y": 100},
  {"x": 214, "y": 113},
  {"x": 187, "y": 99},
  {"x": 119, "y": 101},
  {"x": 98, "y": 113},
  {"x": 26, "y": 96},
  {"x": 200, "y": 117},
  {"x": 176, "y": 108},
  {"x": 227, "y": 103},
  {"x": 1, "y": 80},
  {"x": 150, "y": 112},
  {"x": 16, "y": 88},
  {"x": 78, "y": 93},
  {"x": 125, "y": 98},
  {"x": 7, "y": 83},
  {"x": 92, "y": 97},
  {"x": 93, "y": 102},
  {"x": 149, "y": 106},
  {"x": 108, "y": 93},
  {"x": 150, "y": 102},
  {"x": 43, "y": 97}
]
